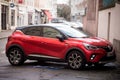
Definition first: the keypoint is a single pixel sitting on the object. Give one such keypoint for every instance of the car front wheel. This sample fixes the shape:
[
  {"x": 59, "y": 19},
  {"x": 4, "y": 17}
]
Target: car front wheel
[
  {"x": 15, "y": 56},
  {"x": 75, "y": 60}
]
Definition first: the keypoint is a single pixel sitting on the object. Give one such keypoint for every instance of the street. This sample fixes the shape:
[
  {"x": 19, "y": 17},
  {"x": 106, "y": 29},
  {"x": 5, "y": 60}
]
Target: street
[{"x": 32, "y": 70}]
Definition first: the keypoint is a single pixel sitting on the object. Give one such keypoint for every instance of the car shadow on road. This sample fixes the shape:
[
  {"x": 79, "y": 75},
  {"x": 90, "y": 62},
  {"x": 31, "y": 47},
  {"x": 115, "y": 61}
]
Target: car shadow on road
[
  {"x": 62, "y": 66},
  {"x": 99, "y": 68}
]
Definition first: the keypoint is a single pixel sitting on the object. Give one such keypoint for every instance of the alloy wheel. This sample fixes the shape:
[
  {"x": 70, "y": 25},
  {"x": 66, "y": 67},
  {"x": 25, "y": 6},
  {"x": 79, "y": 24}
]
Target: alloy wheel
[
  {"x": 75, "y": 60},
  {"x": 15, "y": 56}
]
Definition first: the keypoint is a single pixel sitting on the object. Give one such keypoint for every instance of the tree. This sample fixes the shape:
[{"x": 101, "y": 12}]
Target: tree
[{"x": 64, "y": 11}]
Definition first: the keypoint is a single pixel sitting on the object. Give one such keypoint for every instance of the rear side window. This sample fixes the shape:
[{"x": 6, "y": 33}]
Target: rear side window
[{"x": 33, "y": 31}]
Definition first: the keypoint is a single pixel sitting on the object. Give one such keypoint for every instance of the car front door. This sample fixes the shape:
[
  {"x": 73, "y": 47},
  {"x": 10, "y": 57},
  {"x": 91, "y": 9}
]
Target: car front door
[{"x": 52, "y": 46}]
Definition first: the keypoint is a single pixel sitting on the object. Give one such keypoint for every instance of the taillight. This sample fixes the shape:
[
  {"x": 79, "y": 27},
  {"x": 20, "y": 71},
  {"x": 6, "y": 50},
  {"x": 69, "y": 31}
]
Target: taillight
[{"x": 9, "y": 38}]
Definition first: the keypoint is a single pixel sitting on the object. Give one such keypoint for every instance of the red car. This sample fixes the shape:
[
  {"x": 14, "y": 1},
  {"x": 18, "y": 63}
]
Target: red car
[{"x": 57, "y": 42}]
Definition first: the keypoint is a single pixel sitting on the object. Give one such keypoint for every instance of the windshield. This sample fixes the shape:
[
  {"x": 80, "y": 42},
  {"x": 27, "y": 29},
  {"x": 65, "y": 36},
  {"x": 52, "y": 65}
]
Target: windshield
[{"x": 71, "y": 32}]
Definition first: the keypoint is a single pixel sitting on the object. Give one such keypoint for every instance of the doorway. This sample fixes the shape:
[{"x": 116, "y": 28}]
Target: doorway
[{"x": 4, "y": 16}]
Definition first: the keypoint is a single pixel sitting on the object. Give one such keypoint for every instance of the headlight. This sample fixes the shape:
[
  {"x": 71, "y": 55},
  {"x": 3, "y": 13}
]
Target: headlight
[{"x": 90, "y": 47}]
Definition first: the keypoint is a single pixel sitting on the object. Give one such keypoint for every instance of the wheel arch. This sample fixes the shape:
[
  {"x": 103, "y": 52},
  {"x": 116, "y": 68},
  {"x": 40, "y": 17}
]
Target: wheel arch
[
  {"x": 72, "y": 49},
  {"x": 12, "y": 46}
]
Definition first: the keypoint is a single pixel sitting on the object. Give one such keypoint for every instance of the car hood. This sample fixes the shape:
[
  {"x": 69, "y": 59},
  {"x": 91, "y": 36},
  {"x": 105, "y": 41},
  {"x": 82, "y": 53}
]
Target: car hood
[{"x": 93, "y": 41}]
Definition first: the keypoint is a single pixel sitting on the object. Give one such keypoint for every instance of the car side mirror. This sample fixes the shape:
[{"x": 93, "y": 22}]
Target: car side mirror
[{"x": 60, "y": 37}]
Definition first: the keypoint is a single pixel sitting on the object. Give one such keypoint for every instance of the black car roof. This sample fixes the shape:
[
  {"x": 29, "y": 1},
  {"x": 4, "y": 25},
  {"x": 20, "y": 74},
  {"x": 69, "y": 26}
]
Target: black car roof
[
  {"x": 50, "y": 25},
  {"x": 22, "y": 27}
]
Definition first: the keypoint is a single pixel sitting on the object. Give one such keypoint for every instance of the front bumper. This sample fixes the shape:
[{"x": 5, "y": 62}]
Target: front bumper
[
  {"x": 101, "y": 56},
  {"x": 108, "y": 58}
]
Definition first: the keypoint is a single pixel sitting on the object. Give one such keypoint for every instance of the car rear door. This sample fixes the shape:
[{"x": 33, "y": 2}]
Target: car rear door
[{"x": 32, "y": 40}]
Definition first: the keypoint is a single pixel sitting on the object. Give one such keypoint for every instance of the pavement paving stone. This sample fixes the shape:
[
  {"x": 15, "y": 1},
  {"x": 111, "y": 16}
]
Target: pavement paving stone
[{"x": 5, "y": 34}]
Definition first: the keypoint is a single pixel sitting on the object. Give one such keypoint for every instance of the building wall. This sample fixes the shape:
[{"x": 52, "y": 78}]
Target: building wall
[
  {"x": 30, "y": 11},
  {"x": 0, "y": 16},
  {"x": 50, "y": 5},
  {"x": 4, "y": 3},
  {"x": 114, "y": 23},
  {"x": 103, "y": 24},
  {"x": 36, "y": 3},
  {"x": 8, "y": 24},
  {"x": 37, "y": 12},
  {"x": 45, "y": 4},
  {"x": 54, "y": 8},
  {"x": 109, "y": 28},
  {"x": 91, "y": 17},
  {"x": 24, "y": 7},
  {"x": 15, "y": 8},
  {"x": 88, "y": 10}
]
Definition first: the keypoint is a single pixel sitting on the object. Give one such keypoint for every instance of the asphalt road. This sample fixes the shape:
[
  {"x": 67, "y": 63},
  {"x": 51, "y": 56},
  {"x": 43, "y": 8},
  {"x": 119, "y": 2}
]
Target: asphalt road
[{"x": 32, "y": 70}]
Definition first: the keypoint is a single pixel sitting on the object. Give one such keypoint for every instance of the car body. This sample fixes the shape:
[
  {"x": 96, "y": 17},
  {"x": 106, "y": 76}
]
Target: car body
[{"x": 57, "y": 42}]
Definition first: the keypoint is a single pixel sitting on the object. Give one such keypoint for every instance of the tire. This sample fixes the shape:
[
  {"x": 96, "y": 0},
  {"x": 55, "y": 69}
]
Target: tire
[
  {"x": 75, "y": 60},
  {"x": 16, "y": 56}
]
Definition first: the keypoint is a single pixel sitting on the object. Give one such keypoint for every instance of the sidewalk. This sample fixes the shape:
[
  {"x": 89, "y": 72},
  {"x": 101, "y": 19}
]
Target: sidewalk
[{"x": 5, "y": 34}]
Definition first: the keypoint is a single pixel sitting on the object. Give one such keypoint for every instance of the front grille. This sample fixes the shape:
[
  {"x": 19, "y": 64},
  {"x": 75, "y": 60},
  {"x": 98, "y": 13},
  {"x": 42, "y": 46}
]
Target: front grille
[{"x": 107, "y": 48}]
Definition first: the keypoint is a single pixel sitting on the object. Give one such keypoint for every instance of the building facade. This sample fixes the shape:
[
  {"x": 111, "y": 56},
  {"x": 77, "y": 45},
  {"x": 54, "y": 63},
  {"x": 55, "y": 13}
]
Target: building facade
[
  {"x": 37, "y": 12},
  {"x": 109, "y": 23},
  {"x": 102, "y": 19},
  {"x": 14, "y": 13},
  {"x": 53, "y": 9},
  {"x": 49, "y": 8},
  {"x": 88, "y": 11}
]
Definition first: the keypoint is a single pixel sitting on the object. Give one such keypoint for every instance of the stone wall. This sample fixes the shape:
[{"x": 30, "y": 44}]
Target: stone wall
[{"x": 116, "y": 44}]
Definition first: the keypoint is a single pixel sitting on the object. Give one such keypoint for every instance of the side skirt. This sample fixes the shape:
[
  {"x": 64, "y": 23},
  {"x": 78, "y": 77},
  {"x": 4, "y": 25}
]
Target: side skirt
[{"x": 44, "y": 58}]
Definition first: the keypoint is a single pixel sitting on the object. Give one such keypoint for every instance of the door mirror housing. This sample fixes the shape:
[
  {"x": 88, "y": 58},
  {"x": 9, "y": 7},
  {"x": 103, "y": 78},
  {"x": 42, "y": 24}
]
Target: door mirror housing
[{"x": 60, "y": 37}]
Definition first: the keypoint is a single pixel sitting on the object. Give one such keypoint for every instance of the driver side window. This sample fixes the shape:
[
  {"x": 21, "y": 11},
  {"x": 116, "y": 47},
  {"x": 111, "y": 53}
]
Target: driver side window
[{"x": 50, "y": 32}]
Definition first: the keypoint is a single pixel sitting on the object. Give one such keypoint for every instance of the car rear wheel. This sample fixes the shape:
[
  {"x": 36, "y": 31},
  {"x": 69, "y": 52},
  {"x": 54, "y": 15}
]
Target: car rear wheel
[
  {"x": 15, "y": 56},
  {"x": 75, "y": 60}
]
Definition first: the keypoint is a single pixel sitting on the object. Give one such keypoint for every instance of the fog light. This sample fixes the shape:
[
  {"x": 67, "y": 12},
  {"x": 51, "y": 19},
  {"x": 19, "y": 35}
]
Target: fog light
[{"x": 92, "y": 56}]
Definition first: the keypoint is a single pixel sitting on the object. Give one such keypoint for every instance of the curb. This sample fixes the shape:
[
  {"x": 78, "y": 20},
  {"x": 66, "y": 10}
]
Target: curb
[
  {"x": 3, "y": 38},
  {"x": 5, "y": 34}
]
